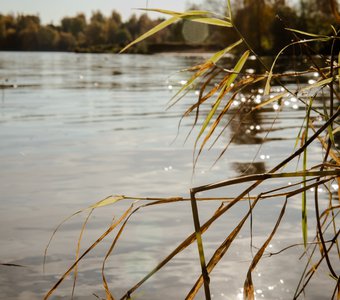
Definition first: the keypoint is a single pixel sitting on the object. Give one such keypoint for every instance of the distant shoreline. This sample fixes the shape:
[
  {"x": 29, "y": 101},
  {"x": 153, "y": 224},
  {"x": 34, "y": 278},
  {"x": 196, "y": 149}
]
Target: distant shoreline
[{"x": 154, "y": 49}]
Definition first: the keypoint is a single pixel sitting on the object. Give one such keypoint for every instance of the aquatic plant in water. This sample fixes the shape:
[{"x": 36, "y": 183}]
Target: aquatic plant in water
[{"x": 222, "y": 90}]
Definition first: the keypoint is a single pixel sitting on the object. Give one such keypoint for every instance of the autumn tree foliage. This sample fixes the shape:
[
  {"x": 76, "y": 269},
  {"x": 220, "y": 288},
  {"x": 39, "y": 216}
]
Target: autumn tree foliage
[{"x": 262, "y": 22}]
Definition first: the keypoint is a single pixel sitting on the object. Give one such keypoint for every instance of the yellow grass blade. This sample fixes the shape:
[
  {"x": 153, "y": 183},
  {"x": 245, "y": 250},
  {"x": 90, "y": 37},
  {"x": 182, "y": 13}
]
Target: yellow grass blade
[
  {"x": 229, "y": 9},
  {"x": 71, "y": 268},
  {"x": 151, "y": 32},
  {"x": 269, "y": 78},
  {"x": 189, "y": 83},
  {"x": 216, "y": 122},
  {"x": 248, "y": 288},
  {"x": 218, "y": 55},
  {"x": 75, "y": 273},
  {"x": 210, "y": 21},
  {"x": 205, "y": 66},
  {"x": 307, "y": 33},
  {"x": 189, "y": 13},
  {"x": 336, "y": 130},
  {"x": 176, "y": 13},
  {"x": 270, "y": 74},
  {"x": 107, "y": 201},
  {"x": 195, "y": 16},
  {"x": 270, "y": 100},
  {"x": 317, "y": 84},
  {"x": 231, "y": 79}
]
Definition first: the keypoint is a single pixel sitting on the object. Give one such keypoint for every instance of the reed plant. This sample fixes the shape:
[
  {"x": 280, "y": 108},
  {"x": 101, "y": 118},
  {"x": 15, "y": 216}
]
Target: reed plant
[{"x": 220, "y": 88}]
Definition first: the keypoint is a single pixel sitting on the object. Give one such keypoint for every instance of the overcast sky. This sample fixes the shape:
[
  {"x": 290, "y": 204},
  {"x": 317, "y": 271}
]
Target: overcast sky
[{"x": 54, "y": 10}]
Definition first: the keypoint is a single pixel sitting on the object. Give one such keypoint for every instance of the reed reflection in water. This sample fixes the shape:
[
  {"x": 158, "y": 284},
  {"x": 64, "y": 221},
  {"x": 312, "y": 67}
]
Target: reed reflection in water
[{"x": 76, "y": 128}]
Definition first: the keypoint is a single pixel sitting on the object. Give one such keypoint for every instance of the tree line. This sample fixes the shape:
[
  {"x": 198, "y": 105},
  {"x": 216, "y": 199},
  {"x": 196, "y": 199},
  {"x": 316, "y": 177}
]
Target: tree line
[{"x": 263, "y": 23}]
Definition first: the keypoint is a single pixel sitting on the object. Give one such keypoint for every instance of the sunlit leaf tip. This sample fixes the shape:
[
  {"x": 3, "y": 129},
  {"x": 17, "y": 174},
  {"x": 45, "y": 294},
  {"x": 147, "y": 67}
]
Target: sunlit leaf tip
[
  {"x": 151, "y": 32},
  {"x": 108, "y": 201}
]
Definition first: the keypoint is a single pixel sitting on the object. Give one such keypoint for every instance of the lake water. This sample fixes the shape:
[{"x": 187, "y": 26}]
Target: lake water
[{"x": 75, "y": 128}]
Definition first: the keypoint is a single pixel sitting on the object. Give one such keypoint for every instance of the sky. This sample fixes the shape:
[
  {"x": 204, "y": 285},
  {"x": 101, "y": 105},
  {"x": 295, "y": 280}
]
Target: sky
[{"x": 53, "y": 10}]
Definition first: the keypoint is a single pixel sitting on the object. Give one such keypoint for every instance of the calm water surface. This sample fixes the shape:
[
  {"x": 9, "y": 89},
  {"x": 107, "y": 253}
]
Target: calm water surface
[{"x": 75, "y": 128}]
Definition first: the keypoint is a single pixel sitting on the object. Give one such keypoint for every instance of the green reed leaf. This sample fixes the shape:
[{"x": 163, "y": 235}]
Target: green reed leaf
[
  {"x": 176, "y": 13},
  {"x": 317, "y": 84},
  {"x": 304, "y": 194},
  {"x": 329, "y": 128},
  {"x": 206, "y": 20},
  {"x": 306, "y": 33},
  {"x": 199, "y": 16},
  {"x": 195, "y": 16},
  {"x": 270, "y": 74},
  {"x": 107, "y": 201},
  {"x": 218, "y": 55},
  {"x": 151, "y": 32},
  {"x": 270, "y": 100},
  {"x": 229, "y": 9},
  {"x": 205, "y": 66},
  {"x": 238, "y": 67}
]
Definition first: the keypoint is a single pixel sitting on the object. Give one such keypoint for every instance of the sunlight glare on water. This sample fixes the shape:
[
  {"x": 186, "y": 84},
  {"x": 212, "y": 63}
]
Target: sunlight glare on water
[{"x": 76, "y": 128}]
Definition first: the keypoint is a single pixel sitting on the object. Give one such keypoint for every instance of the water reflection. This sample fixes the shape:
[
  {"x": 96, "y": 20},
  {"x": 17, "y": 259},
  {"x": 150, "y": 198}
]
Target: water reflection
[
  {"x": 249, "y": 168},
  {"x": 78, "y": 127},
  {"x": 246, "y": 126}
]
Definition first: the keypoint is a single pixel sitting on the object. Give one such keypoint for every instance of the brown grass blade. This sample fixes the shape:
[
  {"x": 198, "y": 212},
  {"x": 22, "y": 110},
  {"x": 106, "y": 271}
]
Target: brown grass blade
[
  {"x": 219, "y": 253},
  {"x": 248, "y": 288},
  {"x": 106, "y": 201},
  {"x": 214, "y": 126},
  {"x": 183, "y": 245},
  {"x": 200, "y": 247},
  {"x": 222, "y": 209},
  {"x": 190, "y": 239},
  {"x": 78, "y": 250},
  {"x": 314, "y": 268},
  {"x": 152, "y": 31},
  {"x": 225, "y": 89},
  {"x": 71, "y": 268},
  {"x": 106, "y": 286},
  {"x": 205, "y": 97}
]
